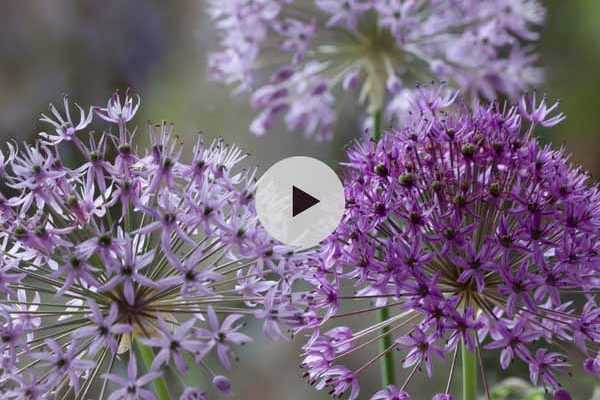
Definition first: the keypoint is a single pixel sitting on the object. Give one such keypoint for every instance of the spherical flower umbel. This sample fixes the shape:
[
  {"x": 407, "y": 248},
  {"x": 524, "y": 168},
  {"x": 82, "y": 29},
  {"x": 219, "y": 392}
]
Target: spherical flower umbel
[
  {"x": 314, "y": 49},
  {"x": 129, "y": 251},
  {"x": 467, "y": 230}
]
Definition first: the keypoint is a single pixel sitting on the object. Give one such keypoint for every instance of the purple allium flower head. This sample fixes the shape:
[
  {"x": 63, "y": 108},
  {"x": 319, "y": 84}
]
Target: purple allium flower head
[
  {"x": 313, "y": 49},
  {"x": 466, "y": 229},
  {"x": 129, "y": 247}
]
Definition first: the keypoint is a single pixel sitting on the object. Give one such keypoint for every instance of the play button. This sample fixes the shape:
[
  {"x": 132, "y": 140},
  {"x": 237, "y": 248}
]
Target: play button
[{"x": 300, "y": 201}]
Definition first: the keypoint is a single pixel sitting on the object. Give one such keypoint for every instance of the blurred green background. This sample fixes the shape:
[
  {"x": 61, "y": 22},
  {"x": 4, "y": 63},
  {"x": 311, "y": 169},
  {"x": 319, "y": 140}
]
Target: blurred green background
[{"x": 89, "y": 48}]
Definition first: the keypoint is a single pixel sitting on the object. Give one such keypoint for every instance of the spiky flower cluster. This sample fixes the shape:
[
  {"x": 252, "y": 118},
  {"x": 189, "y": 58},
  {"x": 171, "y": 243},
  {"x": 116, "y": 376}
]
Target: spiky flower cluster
[
  {"x": 465, "y": 230},
  {"x": 127, "y": 250},
  {"x": 312, "y": 48}
]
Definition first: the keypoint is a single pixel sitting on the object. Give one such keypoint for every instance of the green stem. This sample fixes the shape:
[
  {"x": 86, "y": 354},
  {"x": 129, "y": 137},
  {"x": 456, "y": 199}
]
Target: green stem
[
  {"x": 469, "y": 373},
  {"x": 388, "y": 374},
  {"x": 377, "y": 122},
  {"x": 147, "y": 355}
]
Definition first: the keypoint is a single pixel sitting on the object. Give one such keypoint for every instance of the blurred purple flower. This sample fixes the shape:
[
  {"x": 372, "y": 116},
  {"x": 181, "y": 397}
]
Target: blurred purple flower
[
  {"x": 442, "y": 396},
  {"x": 223, "y": 384},
  {"x": 313, "y": 49},
  {"x": 193, "y": 394},
  {"x": 592, "y": 365},
  {"x": 562, "y": 394},
  {"x": 65, "y": 128},
  {"x": 222, "y": 336},
  {"x": 391, "y": 392},
  {"x": 132, "y": 388}
]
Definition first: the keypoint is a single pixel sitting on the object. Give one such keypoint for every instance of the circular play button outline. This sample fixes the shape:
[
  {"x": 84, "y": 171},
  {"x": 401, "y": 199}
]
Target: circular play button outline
[{"x": 300, "y": 201}]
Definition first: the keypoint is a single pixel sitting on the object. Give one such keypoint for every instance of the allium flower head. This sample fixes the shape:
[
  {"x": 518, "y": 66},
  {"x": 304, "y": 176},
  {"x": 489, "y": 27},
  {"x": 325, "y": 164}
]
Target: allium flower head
[
  {"x": 128, "y": 248},
  {"x": 468, "y": 230},
  {"x": 313, "y": 49}
]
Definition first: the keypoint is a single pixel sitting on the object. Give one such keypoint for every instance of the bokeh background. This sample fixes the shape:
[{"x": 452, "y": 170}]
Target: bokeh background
[{"x": 88, "y": 48}]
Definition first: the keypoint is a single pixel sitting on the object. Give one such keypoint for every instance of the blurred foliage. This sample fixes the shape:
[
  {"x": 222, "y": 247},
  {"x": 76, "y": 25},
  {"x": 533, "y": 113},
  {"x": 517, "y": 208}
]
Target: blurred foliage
[{"x": 570, "y": 51}]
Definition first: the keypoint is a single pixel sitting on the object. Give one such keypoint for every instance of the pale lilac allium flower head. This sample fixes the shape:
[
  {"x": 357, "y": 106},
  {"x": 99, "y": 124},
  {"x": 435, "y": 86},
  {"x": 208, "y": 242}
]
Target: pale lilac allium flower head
[
  {"x": 193, "y": 394},
  {"x": 468, "y": 230},
  {"x": 379, "y": 49},
  {"x": 128, "y": 248}
]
